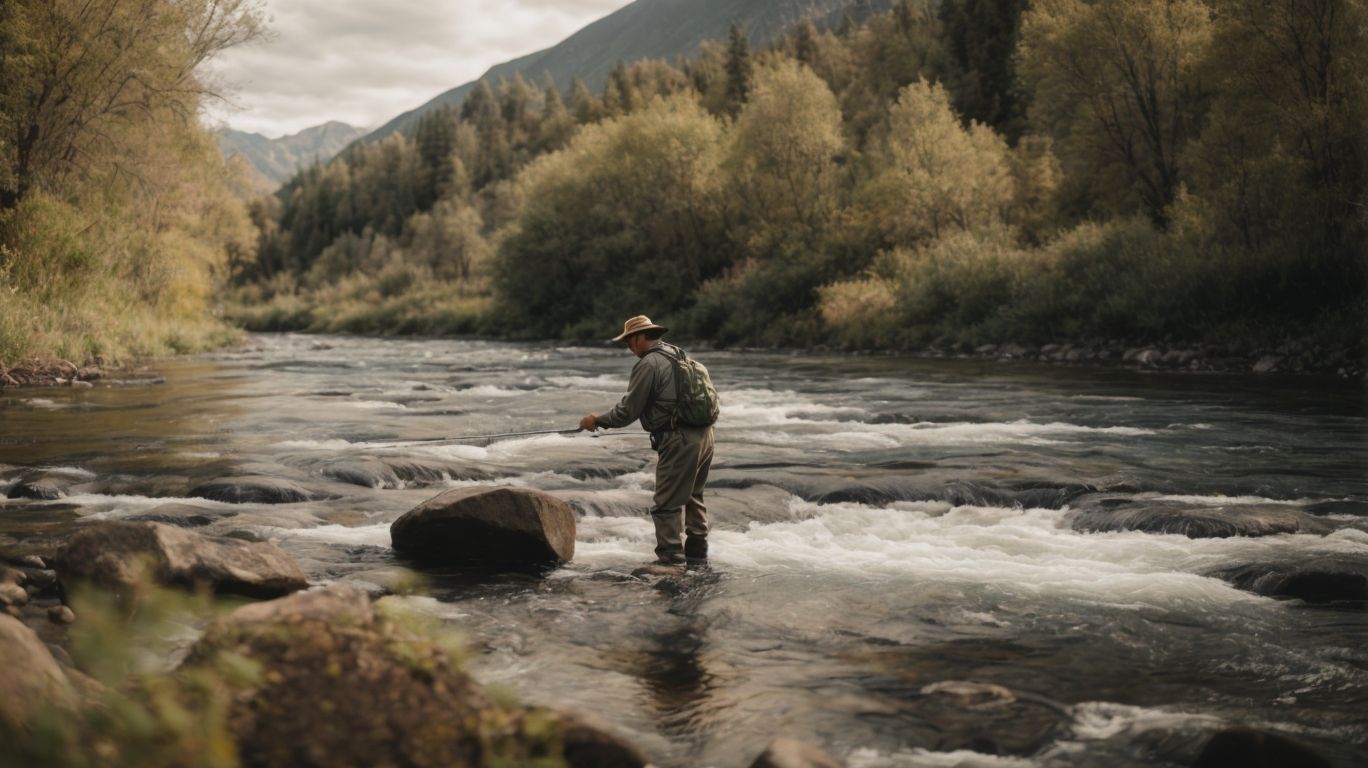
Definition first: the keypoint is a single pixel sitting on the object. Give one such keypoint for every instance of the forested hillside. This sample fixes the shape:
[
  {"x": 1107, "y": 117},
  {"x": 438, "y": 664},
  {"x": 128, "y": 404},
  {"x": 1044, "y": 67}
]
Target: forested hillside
[
  {"x": 956, "y": 173},
  {"x": 118, "y": 222},
  {"x": 645, "y": 29}
]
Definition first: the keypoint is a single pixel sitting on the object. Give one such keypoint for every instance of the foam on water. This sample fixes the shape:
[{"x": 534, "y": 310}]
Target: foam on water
[
  {"x": 100, "y": 506},
  {"x": 924, "y": 758},
  {"x": 376, "y": 405},
  {"x": 1101, "y": 720},
  {"x": 1227, "y": 501},
  {"x": 600, "y": 383},
  {"x": 1031, "y": 554},
  {"x": 368, "y": 535},
  {"x": 490, "y": 390}
]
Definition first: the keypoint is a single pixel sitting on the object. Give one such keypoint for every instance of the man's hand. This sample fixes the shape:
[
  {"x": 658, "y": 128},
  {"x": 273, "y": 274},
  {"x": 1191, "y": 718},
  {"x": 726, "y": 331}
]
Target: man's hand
[{"x": 589, "y": 423}]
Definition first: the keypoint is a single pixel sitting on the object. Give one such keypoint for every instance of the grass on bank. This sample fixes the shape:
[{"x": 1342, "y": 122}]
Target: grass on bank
[{"x": 401, "y": 298}]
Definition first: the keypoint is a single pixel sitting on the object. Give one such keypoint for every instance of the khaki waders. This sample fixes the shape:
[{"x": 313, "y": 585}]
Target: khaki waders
[{"x": 681, "y": 472}]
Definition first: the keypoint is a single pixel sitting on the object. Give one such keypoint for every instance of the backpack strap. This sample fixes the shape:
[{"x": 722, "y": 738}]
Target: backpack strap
[{"x": 676, "y": 364}]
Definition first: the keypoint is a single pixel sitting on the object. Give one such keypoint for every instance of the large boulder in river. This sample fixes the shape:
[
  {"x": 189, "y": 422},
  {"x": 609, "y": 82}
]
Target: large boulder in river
[
  {"x": 486, "y": 525},
  {"x": 117, "y": 553},
  {"x": 30, "y": 677}
]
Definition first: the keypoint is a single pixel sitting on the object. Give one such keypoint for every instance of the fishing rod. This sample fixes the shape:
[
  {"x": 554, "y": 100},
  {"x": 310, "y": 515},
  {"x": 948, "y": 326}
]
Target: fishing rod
[{"x": 495, "y": 436}]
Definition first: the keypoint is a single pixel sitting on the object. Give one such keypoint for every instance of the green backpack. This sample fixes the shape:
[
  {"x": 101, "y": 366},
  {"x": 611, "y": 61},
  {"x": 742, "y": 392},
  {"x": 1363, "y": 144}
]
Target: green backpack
[{"x": 696, "y": 403}]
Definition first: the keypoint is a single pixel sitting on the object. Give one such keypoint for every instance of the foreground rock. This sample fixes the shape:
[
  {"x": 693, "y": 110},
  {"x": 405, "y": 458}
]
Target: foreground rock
[
  {"x": 341, "y": 683},
  {"x": 1195, "y": 521},
  {"x": 29, "y": 677},
  {"x": 121, "y": 553},
  {"x": 488, "y": 526},
  {"x": 791, "y": 753}
]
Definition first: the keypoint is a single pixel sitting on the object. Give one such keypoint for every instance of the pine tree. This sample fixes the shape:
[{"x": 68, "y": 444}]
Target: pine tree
[{"x": 739, "y": 69}]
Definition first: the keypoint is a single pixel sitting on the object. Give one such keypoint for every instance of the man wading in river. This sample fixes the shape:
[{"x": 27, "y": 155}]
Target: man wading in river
[{"x": 674, "y": 399}]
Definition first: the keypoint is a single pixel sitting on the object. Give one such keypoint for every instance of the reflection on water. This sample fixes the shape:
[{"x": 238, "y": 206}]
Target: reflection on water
[{"x": 881, "y": 526}]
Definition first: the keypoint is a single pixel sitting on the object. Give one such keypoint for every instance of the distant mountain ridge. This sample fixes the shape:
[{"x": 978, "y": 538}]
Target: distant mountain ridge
[
  {"x": 647, "y": 29},
  {"x": 279, "y": 159}
]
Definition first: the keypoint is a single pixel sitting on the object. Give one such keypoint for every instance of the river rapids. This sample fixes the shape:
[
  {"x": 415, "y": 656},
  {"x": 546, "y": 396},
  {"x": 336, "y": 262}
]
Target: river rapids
[{"x": 884, "y": 529}]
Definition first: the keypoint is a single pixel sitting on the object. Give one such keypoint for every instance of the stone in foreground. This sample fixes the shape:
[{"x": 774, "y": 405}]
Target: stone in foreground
[
  {"x": 117, "y": 553},
  {"x": 488, "y": 526},
  {"x": 343, "y": 681},
  {"x": 341, "y": 684},
  {"x": 29, "y": 677}
]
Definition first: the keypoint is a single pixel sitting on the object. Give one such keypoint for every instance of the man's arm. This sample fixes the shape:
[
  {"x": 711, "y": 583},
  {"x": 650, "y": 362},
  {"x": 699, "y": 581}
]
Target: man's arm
[{"x": 634, "y": 403}]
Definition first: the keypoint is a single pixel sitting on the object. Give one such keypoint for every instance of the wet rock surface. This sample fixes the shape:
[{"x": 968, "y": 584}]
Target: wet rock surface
[
  {"x": 118, "y": 554},
  {"x": 1250, "y": 748},
  {"x": 253, "y": 490},
  {"x": 488, "y": 526},
  {"x": 1319, "y": 580},
  {"x": 1196, "y": 521},
  {"x": 342, "y": 684},
  {"x": 181, "y": 515},
  {"x": 30, "y": 678}
]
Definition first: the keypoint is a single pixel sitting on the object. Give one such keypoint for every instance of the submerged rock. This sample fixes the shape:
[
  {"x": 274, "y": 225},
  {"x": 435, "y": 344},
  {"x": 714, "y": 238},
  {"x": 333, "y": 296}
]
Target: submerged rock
[
  {"x": 1321, "y": 580},
  {"x": 488, "y": 526},
  {"x": 791, "y": 753},
  {"x": 1248, "y": 748},
  {"x": 252, "y": 489},
  {"x": 1195, "y": 521},
  {"x": 589, "y": 743},
  {"x": 39, "y": 490},
  {"x": 986, "y": 717},
  {"x": 30, "y": 677},
  {"x": 181, "y": 515},
  {"x": 120, "y": 553},
  {"x": 375, "y": 472}
]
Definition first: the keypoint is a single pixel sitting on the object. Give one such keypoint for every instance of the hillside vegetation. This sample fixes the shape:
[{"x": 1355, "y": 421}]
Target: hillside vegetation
[
  {"x": 118, "y": 219},
  {"x": 643, "y": 29},
  {"x": 1109, "y": 172}
]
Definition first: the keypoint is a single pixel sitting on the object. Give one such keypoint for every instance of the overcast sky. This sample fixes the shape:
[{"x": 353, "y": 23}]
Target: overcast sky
[{"x": 365, "y": 61}]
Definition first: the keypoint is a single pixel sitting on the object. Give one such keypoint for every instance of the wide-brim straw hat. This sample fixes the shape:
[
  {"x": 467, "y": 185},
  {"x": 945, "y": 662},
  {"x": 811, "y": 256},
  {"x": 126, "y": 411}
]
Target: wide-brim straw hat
[{"x": 638, "y": 324}]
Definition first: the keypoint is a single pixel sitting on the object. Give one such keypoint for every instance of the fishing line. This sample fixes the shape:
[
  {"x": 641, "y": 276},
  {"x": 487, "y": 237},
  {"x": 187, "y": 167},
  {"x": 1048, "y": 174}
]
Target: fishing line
[{"x": 491, "y": 437}]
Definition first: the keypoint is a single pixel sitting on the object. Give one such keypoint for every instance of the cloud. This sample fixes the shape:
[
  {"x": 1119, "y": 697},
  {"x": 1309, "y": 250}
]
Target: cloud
[{"x": 365, "y": 61}]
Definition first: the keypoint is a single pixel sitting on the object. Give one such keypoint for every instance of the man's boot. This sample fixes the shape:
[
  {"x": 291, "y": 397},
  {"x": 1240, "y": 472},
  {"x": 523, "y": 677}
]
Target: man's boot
[{"x": 696, "y": 548}]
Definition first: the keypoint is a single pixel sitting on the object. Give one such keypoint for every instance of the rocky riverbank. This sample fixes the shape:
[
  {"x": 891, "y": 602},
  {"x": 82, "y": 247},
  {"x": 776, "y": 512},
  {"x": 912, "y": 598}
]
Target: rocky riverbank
[
  {"x": 1294, "y": 359},
  {"x": 52, "y": 373}
]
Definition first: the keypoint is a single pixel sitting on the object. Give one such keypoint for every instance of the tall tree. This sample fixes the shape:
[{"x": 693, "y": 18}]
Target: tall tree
[
  {"x": 981, "y": 37},
  {"x": 1117, "y": 83},
  {"x": 739, "y": 69},
  {"x": 78, "y": 75}
]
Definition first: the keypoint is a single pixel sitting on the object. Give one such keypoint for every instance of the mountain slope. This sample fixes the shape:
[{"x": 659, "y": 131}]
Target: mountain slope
[
  {"x": 648, "y": 29},
  {"x": 279, "y": 159}
]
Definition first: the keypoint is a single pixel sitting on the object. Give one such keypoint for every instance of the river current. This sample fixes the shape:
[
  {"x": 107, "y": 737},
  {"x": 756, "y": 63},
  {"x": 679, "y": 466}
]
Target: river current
[{"x": 884, "y": 530}]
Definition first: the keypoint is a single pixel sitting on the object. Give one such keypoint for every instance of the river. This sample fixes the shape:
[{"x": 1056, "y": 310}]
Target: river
[{"x": 882, "y": 527}]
